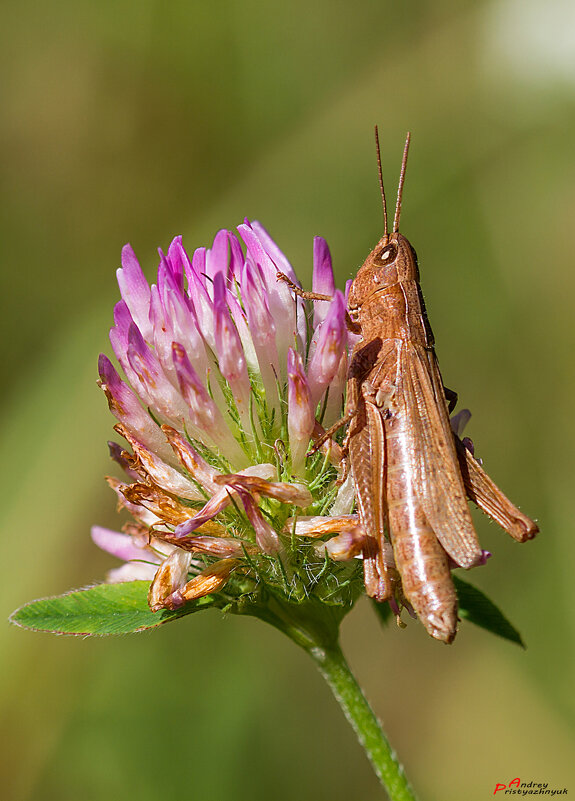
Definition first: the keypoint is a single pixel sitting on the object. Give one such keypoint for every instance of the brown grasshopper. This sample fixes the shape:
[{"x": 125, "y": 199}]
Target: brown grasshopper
[{"x": 412, "y": 474}]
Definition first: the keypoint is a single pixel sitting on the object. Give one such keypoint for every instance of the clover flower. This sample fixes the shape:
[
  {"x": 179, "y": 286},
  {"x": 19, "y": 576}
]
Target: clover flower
[{"x": 227, "y": 375}]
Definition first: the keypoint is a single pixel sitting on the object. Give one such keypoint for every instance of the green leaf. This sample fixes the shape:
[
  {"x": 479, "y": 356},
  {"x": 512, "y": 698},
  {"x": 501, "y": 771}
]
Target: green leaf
[
  {"x": 476, "y": 607},
  {"x": 100, "y": 610}
]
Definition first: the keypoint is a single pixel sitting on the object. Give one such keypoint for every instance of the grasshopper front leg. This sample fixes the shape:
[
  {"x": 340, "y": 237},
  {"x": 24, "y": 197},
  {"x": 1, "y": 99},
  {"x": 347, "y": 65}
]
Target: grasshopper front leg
[
  {"x": 367, "y": 453},
  {"x": 351, "y": 324}
]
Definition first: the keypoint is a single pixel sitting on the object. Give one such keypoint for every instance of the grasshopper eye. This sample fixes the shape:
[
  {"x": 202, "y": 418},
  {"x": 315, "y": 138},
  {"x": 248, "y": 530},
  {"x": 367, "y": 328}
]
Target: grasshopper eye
[{"x": 386, "y": 254}]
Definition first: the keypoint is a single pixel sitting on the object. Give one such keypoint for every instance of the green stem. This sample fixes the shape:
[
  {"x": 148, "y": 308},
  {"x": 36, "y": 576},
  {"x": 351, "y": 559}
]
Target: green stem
[
  {"x": 335, "y": 670},
  {"x": 315, "y": 628}
]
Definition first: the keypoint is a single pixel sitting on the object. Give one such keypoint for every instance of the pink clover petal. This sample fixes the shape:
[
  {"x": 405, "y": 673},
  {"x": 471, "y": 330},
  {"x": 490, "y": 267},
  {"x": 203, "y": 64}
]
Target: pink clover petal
[
  {"x": 239, "y": 319},
  {"x": 119, "y": 341},
  {"x": 218, "y": 256},
  {"x": 135, "y": 290},
  {"x": 203, "y": 411},
  {"x": 123, "y": 319},
  {"x": 287, "y": 313},
  {"x": 119, "y": 338},
  {"x": 258, "y": 255},
  {"x": 161, "y": 394},
  {"x": 336, "y": 393},
  {"x": 122, "y": 546},
  {"x": 331, "y": 345},
  {"x": 301, "y": 418},
  {"x": 164, "y": 274},
  {"x": 131, "y": 571},
  {"x": 177, "y": 260},
  {"x": 323, "y": 281},
  {"x": 282, "y": 263},
  {"x": 174, "y": 320},
  {"x": 141, "y": 359},
  {"x": 255, "y": 298},
  {"x": 273, "y": 251},
  {"x": 231, "y": 357},
  {"x": 228, "y": 343},
  {"x": 163, "y": 333},
  {"x": 180, "y": 316},
  {"x": 171, "y": 290},
  {"x": 126, "y": 407},
  {"x": 237, "y": 258},
  {"x": 263, "y": 332},
  {"x": 197, "y": 269},
  {"x": 202, "y": 305}
]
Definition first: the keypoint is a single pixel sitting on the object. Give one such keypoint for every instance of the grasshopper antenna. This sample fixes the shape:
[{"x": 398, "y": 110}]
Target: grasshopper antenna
[
  {"x": 401, "y": 181},
  {"x": 381, "y": 182}
]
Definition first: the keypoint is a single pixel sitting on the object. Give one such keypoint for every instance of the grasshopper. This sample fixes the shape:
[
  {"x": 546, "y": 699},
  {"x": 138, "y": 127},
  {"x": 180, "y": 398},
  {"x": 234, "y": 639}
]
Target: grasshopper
[{"x": 412, "y": 475}]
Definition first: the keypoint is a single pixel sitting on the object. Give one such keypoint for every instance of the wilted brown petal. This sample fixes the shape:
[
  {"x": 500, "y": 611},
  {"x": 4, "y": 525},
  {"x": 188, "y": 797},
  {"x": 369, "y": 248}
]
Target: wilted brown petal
[
  {"x": 318, "y": 525},
  {"x": 213, "y": 507},
  {"x": 138, "y": 511},
  {"x": 169, "y": 577},
  {"x": 161, "y": 473},
  {"x": 165, "y": 508},
  {"x": 296, "y": 494},
  {"x": 216, "y": 546},
  {"x": 266, "y": 537},
  {"x": 191, "y": 460},
  {"x": 345, "y": 497},
  {"x": 119, "y": 456},
  {"x": 346, "y": 545},
  {"x": 212, "y": 579},
  {"x": 221, "y": 499}
]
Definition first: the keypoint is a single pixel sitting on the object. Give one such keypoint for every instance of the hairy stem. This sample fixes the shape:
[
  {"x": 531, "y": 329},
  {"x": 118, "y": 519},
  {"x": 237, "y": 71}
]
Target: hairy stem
[
  {"x": 335, "y": 670},
  {"x": 315, "y": 628}
]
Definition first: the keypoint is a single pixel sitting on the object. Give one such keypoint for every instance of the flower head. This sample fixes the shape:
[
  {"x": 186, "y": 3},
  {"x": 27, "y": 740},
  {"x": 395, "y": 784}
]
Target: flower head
[{"x": 227, "y": 372}]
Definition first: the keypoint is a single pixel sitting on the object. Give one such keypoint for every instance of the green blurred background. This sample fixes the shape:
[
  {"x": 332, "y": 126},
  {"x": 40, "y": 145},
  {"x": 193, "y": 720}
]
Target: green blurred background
[{"x": 141, "y": 120}]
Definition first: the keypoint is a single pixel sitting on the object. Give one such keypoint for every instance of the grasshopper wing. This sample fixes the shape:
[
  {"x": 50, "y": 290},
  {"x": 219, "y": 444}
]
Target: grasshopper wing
[{"x": 438, "y": 478}]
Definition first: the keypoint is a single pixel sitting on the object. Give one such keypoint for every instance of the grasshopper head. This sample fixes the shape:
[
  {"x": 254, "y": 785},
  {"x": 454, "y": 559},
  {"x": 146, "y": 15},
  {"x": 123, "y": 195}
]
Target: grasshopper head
[{"x": 392, "y": 261}]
